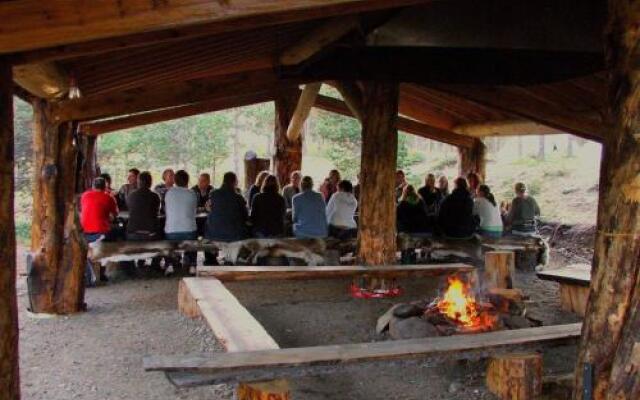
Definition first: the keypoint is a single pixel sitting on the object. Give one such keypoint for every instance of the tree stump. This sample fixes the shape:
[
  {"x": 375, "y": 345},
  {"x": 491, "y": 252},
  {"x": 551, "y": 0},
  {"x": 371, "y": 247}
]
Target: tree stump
[
  {"x": 515, "y": 376},
  {"x": 499, "y": 269}
]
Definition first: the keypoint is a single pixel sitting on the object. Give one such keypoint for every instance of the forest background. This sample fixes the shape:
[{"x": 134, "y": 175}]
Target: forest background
[{"x": 561, "y": 171}]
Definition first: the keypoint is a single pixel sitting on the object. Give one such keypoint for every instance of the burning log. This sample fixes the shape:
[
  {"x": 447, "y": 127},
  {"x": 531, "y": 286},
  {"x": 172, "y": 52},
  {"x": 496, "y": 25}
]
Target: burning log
[{"x": 458, "y": 311}]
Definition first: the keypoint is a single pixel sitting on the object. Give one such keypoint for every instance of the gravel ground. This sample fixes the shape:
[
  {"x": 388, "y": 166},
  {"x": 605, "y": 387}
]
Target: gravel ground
[{"x": 98, "y": 354}]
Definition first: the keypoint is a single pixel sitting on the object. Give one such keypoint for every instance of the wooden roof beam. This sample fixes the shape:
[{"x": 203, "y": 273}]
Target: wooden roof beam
[
  {"x": 516, "y": 101},
  {"x": 319, "y": 38},
  {"x": 164, "y": 96},
  {"x": 34, "y": 24},
  {"x": 303, "y": 108},
  {"x": 45, "y": 80},
  {"x": 404, "y": 124},
  {"x": 167, "y": 114},
  {"x": 506, "y": 128}
]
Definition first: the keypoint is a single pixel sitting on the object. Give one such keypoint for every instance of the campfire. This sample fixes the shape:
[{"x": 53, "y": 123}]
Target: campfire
[
  {"x": 460, "y": 309},
  {"x": 459, "y": 306}
]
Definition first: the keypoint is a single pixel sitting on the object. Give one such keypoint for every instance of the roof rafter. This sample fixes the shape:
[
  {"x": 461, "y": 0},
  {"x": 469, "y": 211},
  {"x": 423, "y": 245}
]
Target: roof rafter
[{"x": 35, "y": 24}]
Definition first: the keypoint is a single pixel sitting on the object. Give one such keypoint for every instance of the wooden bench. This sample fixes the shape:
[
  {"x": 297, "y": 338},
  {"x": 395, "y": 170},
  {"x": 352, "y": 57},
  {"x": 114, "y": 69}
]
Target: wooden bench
[
  {"x": 574, "y": 283},
  {"x": 304, "y": 361},
  {"x": 234, "y": 327},
  {"x": 248, "y": 273}
]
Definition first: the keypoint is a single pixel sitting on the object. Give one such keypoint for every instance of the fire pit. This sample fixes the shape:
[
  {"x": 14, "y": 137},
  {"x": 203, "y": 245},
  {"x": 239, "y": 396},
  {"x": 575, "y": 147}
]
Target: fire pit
[{"x": 460, "y": 309}]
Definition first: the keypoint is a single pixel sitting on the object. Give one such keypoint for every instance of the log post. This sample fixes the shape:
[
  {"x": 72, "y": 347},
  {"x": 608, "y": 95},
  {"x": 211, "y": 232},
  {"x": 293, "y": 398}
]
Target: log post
[
  {"x": 515, "y": 376},
  {"x": 377, "y": 225},
  {"x": 288, "y": 153},
  {"x": 9, "y": 371},
  {"x": 609, "y": 354},
  {"x": 499, "y": 269},
  {"x": 473, "y": 159},
  {"x": 88, "y": 162},
  {"x": 56, "y": 279},
  {"x": 252, "y": 167}
]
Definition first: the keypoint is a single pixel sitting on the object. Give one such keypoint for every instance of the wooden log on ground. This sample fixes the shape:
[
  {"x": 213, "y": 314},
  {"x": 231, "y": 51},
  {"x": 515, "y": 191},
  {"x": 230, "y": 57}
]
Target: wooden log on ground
[
  {"x": 9, "y": 369},
  {"x": 515, "y": 376},
  {"x": 305, "y": 361},
  {"x": 499, "y": 269},
  {"x": 610, "y": 346},
  {"x": 288, "y": 152},
  {"x": 253, "y": 273},
  {"x": 234, "y": 327},
  {"x": 57, "y": 276}
]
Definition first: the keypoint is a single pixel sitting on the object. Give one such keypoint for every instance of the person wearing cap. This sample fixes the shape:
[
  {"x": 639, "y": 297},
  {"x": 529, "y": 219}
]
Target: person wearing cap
[{"x": 522, "y": 213}]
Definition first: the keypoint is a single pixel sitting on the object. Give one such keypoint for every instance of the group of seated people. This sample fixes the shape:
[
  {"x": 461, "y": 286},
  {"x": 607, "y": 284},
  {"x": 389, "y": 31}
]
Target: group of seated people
[
  {"x": 266, "y": 211},
  {"x": 469, "y": 208}
]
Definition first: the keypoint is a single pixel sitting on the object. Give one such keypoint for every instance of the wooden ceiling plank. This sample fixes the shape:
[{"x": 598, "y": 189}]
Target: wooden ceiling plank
[
  {"x": 167, "y": 95},
  {"x": 528, "y": 107},
  {"x": 101, "y": 127},
  {"x": 45, "y": 80},
  {"x": 35, "y": 24},
  {"x": 404, "y": 124}
]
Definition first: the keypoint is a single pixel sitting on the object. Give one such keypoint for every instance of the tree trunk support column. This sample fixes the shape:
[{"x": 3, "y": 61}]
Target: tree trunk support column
[
  {"x": 60, "y": 251},
  {"x": 377, "y": 225},
  {"x": 472, "y": 159},
  {"x": 610, "y": 346},
  {"x": 288, "y": 153},
  {"x": 9, "y": 372}
]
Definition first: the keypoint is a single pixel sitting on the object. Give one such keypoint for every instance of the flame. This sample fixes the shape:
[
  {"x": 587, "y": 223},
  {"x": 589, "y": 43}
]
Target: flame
[{"x": 459, "y": 304}]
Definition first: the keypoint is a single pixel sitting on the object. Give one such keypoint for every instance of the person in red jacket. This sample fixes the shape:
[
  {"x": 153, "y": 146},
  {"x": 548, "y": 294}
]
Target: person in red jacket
[{"x": 97, "y": 210}]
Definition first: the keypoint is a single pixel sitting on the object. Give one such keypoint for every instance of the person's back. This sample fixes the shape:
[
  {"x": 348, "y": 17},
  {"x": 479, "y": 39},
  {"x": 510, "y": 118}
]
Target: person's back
[
  {"x": 456, "y": 214},
  {"x": 431, "y": 198},
  {"x": 309, "y": 219},
  {"x": 412, "y": 217},
  {"x": 267, "y": 214},
  {"x": 227, "y": 220},
  {"x": 523, "y": 213},
  {"x": 97, "y": 208},
  {"x": 180, "y": 209},
  {"x": 143, "y": 206},
  {"x": 488, "y": 213},
  {"x": 341, "y": 210}
]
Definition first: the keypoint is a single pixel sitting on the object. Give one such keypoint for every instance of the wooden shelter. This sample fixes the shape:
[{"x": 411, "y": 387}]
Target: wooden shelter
[{"x": 453, "y": 71}]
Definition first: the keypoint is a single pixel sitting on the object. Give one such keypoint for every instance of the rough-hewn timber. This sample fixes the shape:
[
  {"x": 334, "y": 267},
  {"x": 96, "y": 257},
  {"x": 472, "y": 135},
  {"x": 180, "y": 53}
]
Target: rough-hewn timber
[
  {"x": 9, "y": 375},
  {"x": 611, "y": 334},
  {"x": 303, "y": 361},
  {"x": 472, "y": 159},
  {"x": 377, "y": 230},
  {"x": 288, "y": 152},
  {"x": 57, "y": 243}
]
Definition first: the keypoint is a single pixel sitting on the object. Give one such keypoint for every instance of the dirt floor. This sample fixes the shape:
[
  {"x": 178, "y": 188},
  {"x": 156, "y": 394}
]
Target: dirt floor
[{"x": 98, "y": 354}]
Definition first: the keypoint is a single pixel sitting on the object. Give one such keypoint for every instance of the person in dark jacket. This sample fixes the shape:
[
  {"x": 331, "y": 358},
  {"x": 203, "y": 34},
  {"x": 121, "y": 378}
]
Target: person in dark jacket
[
  {"x": 430, "y": 195},
  {"x": 227, "y": 220},
  {"x": 411, "y": 214},
  {"x": 268, "y": 211},
  {"x": 456, "y": 212},
  {"x": 143, "y": 206}
]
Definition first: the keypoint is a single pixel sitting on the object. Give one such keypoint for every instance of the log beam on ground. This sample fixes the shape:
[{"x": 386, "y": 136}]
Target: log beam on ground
[
  {"x": 310, "y": 361},
  {"x": 252, "y": 273}
]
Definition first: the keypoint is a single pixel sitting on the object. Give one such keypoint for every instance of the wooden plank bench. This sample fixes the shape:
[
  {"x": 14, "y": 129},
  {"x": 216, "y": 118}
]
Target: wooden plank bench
[
  {"x": 249, "y": 273},
  {"x": 304, "y": 361},
  {"x": 234, "y": 327},
  {"x": 574, "y": 283}
]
